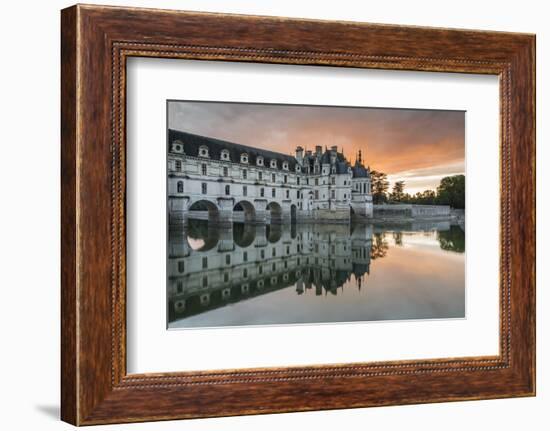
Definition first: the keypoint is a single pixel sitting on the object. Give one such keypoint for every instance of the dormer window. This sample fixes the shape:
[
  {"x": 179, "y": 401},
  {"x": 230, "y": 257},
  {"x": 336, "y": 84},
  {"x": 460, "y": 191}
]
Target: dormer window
[
  {"x": 244, "y": 158},
  {"x": 224, "y": 155},
  {"x": 298, "y": 168},
  {"x": 177, "y": 147},
  {"x": 260, "y": 161},
  {"x": 285, "y": 166},
  {"x": 203, "y": 151},
  {"x": 273, "y": 164}
]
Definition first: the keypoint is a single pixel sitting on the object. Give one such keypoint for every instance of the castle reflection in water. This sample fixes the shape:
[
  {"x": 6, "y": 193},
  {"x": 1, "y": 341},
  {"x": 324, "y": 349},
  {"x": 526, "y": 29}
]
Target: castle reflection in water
[{"x": 212, "y": 267}]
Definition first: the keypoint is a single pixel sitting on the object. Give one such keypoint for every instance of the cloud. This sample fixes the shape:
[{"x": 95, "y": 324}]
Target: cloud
[{"x": 401, "y": 142}]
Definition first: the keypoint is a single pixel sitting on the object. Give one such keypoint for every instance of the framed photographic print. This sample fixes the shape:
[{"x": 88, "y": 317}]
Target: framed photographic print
[{"x": 258, "y": 208}]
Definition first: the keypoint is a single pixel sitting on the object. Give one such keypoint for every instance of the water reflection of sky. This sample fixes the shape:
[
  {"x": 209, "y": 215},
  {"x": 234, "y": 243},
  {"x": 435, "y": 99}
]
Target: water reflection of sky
[{"x": 387, "y": 274}]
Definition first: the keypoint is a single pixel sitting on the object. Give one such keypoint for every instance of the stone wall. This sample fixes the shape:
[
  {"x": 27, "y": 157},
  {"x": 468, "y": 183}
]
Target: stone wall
[{"x": 386, "y": 211}]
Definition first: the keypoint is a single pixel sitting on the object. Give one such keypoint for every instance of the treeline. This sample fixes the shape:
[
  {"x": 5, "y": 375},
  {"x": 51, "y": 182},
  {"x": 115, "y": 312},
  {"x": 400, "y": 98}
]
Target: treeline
[{"x": 451, "y": 191}]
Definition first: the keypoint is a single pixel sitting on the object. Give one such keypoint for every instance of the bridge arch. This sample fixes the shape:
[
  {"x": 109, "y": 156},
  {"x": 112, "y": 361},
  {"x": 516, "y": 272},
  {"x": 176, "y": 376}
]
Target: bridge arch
[
  {"x": 204, "y": 209},
  {"x": 244, "y": 234},
  {"x": 244, "y": 211},
  {"x": 275, "y": 212}
]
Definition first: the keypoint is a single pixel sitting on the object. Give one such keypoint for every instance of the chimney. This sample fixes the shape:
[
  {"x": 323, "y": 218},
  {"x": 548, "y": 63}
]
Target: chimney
[
  {"x": 318, "y": 149},
  {"x": 334, "y": 148},
  {"x": 308, "y": 153},
  {"x": 299, "y": 154}
]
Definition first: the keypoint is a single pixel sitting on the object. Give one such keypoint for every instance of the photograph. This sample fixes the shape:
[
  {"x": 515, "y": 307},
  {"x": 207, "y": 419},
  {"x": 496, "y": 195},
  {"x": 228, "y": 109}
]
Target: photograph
[{"x": 282, "y": 214}]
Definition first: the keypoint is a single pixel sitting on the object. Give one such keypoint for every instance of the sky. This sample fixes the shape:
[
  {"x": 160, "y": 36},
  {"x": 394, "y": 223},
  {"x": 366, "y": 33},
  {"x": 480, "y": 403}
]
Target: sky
[{"x": 416, "y": 146}]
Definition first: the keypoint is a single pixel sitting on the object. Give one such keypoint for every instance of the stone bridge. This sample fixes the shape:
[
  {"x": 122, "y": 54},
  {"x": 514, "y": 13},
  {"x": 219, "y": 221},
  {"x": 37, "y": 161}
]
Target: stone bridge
[{"x": 224, "y": 210}]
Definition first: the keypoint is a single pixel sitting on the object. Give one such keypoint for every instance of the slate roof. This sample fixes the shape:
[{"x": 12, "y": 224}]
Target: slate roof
[
  {"x": 359, "y": 171},
  {"x": 192, "y": 143}
]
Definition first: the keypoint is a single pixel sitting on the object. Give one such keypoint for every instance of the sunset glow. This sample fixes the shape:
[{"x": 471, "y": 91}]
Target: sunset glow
[{"x": 417, "y": 146}]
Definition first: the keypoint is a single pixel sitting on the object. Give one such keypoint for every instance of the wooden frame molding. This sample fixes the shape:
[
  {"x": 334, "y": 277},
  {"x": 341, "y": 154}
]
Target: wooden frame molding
[{"x": 95, "y": 43}]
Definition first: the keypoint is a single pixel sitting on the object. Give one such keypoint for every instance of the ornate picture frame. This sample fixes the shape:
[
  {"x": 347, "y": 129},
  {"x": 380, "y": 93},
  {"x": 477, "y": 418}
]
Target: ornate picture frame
[{"x": 96, "y": 42}]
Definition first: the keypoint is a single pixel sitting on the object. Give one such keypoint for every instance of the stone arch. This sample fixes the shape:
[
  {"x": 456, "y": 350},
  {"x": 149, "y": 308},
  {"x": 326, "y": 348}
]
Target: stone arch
[
  {"x": 204, "y": 209},
  {"x": 244, "y": 234},
  {"x": 273, "y": 233},
  {"x": 244, "y": 211},
  {"x": 275, "y": 212}
]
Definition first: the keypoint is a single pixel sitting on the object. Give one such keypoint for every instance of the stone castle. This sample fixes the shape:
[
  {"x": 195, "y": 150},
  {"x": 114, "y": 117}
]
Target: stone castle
[{"x": 227, "y": 182}]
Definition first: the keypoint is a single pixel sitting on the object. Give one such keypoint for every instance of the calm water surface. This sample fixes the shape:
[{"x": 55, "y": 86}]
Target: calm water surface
[{"x": 307, "y": 273}]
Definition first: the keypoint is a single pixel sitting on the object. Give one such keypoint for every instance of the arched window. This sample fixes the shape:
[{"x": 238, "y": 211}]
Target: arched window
[
  {"x": 260, "y": 161},
  {"x": 244, "y": 158},
  {"x": 273, "y": 163},
  {"x": 180, "y": 186},
  {"x": 285, "y": 166},
  {"x": 225, "y": 155}
]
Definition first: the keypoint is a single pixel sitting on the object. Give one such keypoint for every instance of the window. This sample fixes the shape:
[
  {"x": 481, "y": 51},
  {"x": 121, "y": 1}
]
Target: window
[
  {"x": 177, "y": 147},
  {"x": 262, "y": 192},
  {"x": 245, "y": 190},
  {"x": 245, "y": 256},
  {"x": 272, "y": 193},
  {"x": 285, "y": 165},
  {"x": 180, "y": 286},
  {"x": 245, "y": 174},
  {"x": 297, "y": 194},
  {"x": 205, "y": 282},
  {"x": 204, "y": 188},
  {"x": 204, "y": 262},
  {"x": 180, "y": 186},
  {"x": 288, "y": 194},
  {"x": 227, "y": 190},
  {"x": 181, "y": 266},
  {"x": 260, "y": 161},
  {"x": 285, "y": 179},
  {"x": 274, "y": 268},
  {"x": 333, "y": 194},
  {"x": 228, "y": 259},
  {"x": 262, "y": 254},
  {"x": 203, "y": 151},
  {"x": 316, "y": 181},
  {"x": 273, "y": 164},
  {"x": 260, "y": 176},
  {"x": 260, "y": 269},
  {"x": 225, "y": 171},
  {"x": 203, "y": 169},
  {"x": 345, "y": 196},
  {"x": 287, "y": 251},
  {"x": 226, "y": 277},
  {"x": 298, "y": 180},
  {"x": 225, "y": 155},
  {"x": 273, "y": 252},
  {"x": 244, "y": 158},
  {"x": 316, "y": 194},
  {"x": 245, "y": 273},
  {"x": 333, "y": 181},
  {"x": 178, "y": 165},
  {"x": 273, "y": 178}
]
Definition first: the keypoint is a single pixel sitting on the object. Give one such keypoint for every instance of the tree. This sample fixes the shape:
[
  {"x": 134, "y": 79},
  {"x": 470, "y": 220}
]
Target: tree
[
  {"x": 452, "y": 191},
  {"x": 427, "y": 197},
  {"x": 397, "y": 194},
  {"x": 380, "y": 186}
]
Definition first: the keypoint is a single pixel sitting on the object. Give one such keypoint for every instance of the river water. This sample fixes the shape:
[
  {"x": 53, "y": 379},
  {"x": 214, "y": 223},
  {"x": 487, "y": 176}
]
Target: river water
[{"x": 308, "y": 273}]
